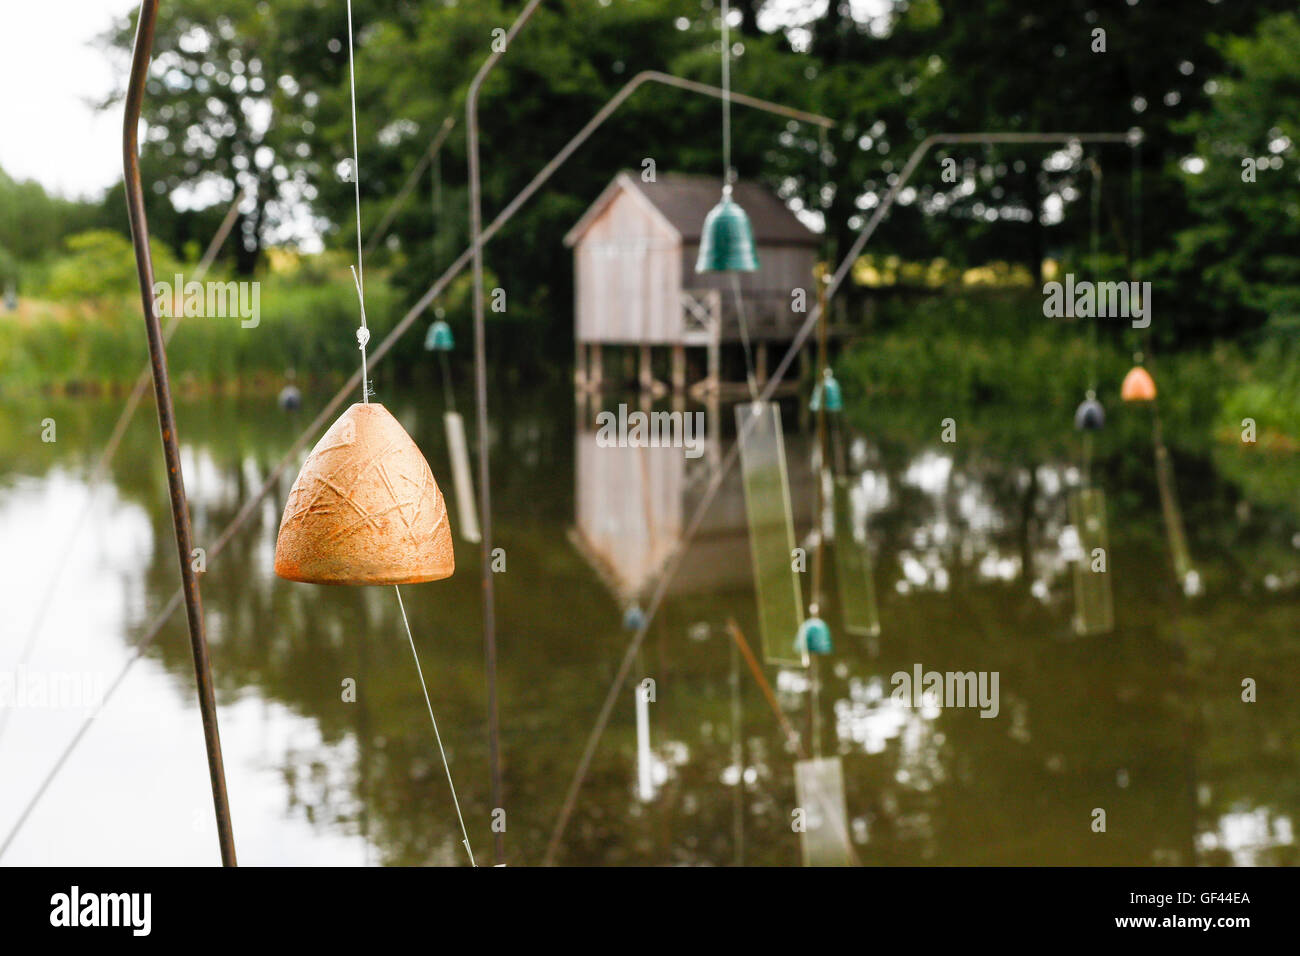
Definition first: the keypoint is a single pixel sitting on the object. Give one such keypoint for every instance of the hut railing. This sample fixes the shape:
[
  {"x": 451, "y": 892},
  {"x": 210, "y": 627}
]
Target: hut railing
[{"x": 701, "y": 315}]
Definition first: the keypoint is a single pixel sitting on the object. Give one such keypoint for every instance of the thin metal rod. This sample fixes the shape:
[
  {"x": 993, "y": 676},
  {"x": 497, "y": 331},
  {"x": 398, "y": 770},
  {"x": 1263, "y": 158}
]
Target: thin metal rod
[
  {"x": 819, "y": 496},
  {"x": 614, "y": 102},
  {"x": 167, "y": 423},
  {"x": 674, "y": 559},
  {"x": 791, "y": 735},
  {"x": 404, "y": 193},
  {"x": 819, "y": 512},
  {"x": 480, "y": 386}
]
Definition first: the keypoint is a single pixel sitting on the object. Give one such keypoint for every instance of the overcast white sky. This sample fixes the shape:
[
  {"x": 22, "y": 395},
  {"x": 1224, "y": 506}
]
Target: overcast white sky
[{"x": 48, "y": 74}]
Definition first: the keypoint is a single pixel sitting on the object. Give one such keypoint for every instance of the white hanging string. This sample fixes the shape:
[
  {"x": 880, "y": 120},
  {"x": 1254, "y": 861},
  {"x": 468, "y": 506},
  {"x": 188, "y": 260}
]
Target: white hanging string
[
  {"x": 358, "y": 271},
  {"x": 750, "y": 377},
  {"x": 726, "y": 96},
  {"x": 437, "y": 736}
]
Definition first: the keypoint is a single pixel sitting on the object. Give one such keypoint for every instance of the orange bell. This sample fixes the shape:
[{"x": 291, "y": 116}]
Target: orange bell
[
  {"x": 365, "y": 508},
  {"x": 1138, "y": 386}
]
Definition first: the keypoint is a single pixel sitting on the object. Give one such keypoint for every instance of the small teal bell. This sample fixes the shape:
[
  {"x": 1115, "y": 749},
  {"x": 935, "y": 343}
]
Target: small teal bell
[
  {"x": 814, "y": 637},
  {"x": 633, "y": 617},
  {"x": 439, "y": 338},
  {"x": 727, "y": 239},
  {"x": 831, "y": 389},
  {"x": 1089, "y": 416}
]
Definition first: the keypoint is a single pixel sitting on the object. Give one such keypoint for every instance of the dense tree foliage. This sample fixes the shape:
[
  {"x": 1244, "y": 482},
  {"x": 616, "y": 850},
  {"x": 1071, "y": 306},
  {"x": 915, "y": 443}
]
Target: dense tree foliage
[{"x": 251, "y": 95}]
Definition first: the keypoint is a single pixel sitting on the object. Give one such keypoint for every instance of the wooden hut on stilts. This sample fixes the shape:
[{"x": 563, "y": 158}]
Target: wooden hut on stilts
[{"x": 636, "y": 287}]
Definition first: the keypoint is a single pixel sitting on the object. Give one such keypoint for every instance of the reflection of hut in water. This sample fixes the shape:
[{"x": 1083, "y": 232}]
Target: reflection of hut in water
[
  {"x": 634, "y": 255},
  {"x": 631, "y": 506}
]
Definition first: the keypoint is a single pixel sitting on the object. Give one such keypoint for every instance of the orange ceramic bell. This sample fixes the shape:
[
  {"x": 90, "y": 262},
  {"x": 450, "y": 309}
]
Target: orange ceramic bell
[
  {"x": 365, "y": 508},
  {"x": 1138, "y": 386}
]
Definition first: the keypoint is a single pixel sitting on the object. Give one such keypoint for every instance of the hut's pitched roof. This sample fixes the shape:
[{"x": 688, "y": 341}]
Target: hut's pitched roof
[{"x": 684, "y": 200}]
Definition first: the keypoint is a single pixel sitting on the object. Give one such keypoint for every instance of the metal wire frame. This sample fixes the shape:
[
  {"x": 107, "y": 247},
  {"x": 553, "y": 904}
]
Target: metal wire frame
[{"x": 167, "y": 423}]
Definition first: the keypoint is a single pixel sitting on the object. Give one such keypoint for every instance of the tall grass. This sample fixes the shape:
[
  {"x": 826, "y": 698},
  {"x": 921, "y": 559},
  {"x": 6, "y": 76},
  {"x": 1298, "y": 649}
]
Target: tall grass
[{"x": 307, "y": 323}]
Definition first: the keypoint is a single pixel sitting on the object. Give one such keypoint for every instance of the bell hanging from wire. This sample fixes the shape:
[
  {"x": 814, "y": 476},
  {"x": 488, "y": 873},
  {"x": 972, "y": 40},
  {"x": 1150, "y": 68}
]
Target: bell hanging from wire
[
  {"x": 1089, "y": 416},
  {"x": 1138, "y": 385},
  {"x": 829, "y": 389},
  {"x": 439, "y": 337},
  {"x": 365, "y": 508},
  {"x": 727, "y": 239},
  {"x": 814, "y": 637}
]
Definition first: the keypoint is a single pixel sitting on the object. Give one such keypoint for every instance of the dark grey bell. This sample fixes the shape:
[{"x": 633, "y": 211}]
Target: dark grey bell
[
  {"x": 1089, "y": 416},
  {"x": 290, "y": 399}
]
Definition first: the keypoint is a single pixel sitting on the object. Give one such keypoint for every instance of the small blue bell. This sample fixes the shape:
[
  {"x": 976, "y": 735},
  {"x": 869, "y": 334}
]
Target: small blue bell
[
  {"x": 830, "y": 388},
  {"x": 633, "y": 617},
  {"x": 1089, "y": 416},
  {"x": 439, "y": 338},
  {"x": 814, "y": 637}
]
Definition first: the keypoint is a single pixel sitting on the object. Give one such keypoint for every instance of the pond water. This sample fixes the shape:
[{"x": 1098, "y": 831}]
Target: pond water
[{"x": 970, "y": 543}]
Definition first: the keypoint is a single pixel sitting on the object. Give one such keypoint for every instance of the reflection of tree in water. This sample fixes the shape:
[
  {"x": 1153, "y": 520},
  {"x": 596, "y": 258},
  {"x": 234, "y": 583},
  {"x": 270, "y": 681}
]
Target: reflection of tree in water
[{"x": 1146, "y": 722}]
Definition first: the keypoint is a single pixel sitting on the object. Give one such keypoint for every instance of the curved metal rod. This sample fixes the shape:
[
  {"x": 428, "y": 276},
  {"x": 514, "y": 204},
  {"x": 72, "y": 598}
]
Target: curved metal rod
[
  {"x": 480, "y": 386},
  {"x": 167, "y": 422},
  {"x": 613, "y": 103},
  {"x": 715, "y": 481}
]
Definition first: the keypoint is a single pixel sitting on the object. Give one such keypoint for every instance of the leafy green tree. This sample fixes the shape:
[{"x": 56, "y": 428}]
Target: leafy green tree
[
  {"x": 33, "y": 224},
  {"x": 1000, "y": 65},
  {"x": 231, "y": 105},
  {"x": 99, "y": 268},
  {"x": 1242, "y": 254}
]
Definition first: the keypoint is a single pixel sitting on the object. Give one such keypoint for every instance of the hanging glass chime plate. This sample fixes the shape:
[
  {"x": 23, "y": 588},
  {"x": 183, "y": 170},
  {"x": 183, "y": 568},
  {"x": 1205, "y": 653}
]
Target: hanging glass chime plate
[
  {"x": 819, "y": 788},
  {"x": 1094, "y": 611},
  {"x": 461, "y": 480},
  {"x": 771, "y": 530},
  {"x": 853, "y": 563},
  {"x": 1188, "y": 580}
]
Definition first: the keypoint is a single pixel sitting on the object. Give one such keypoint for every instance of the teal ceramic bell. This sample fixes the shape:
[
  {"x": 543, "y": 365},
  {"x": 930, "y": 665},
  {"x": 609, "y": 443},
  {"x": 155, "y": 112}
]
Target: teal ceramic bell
[
  {"x": 814, "y": 637},
  {"x": 828, "y": 388},
  {"x": 727, "y": 239},
  {"x": 439, "y": 338}
]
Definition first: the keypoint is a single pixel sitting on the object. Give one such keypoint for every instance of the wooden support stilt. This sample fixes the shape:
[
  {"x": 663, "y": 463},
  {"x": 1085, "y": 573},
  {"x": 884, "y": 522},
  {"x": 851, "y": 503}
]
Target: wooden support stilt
[
  {"x": 646, "y": 376},
  {"x": 678, "y": 373},
  {"x": 596, "y": 368},
  {"x": 714, "y": 378},
  {"x": 580, "y": 366},
  {"x": 760, "y": 363}
]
